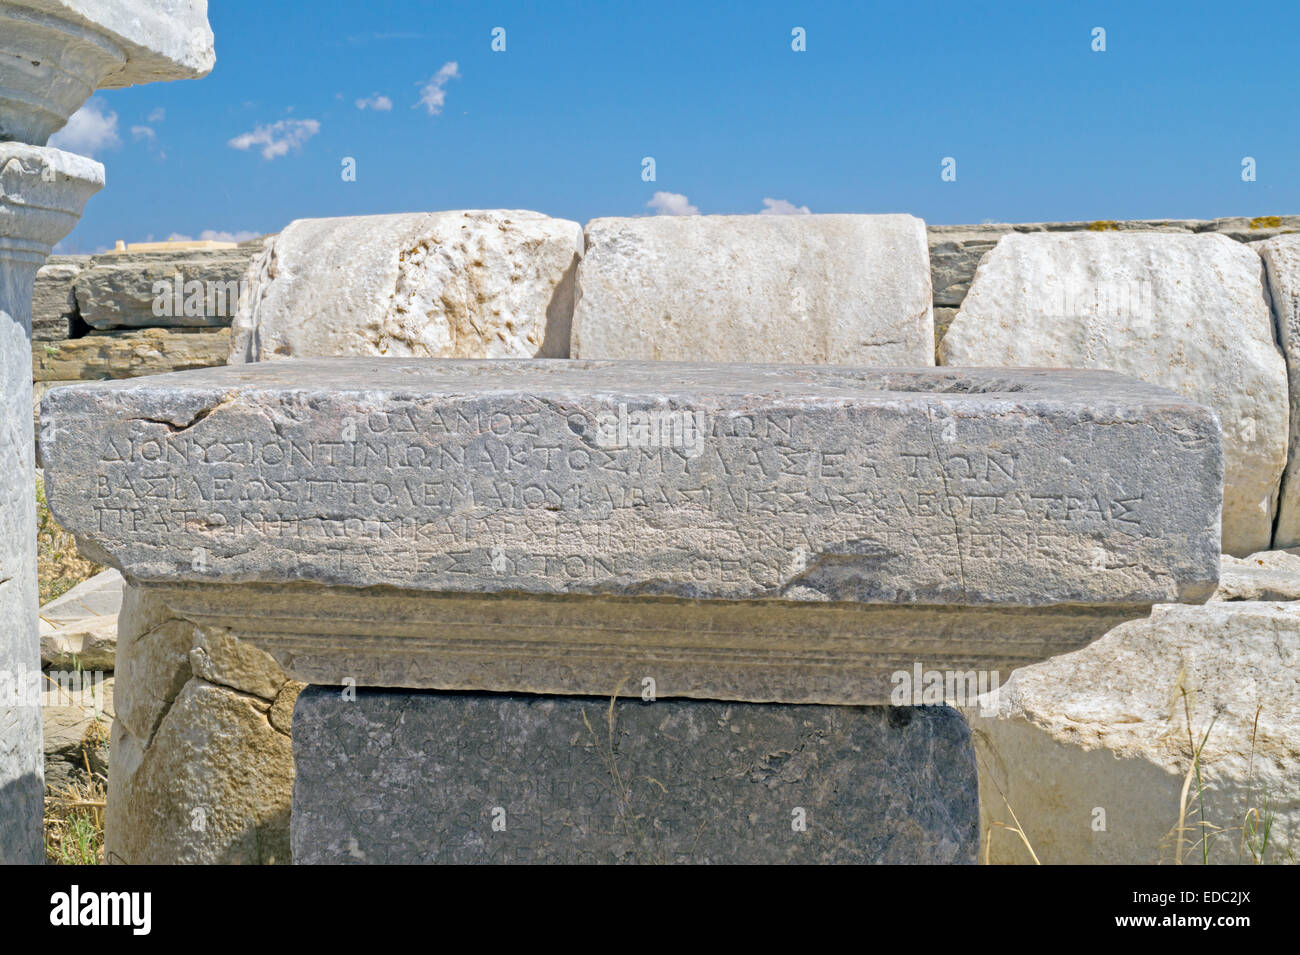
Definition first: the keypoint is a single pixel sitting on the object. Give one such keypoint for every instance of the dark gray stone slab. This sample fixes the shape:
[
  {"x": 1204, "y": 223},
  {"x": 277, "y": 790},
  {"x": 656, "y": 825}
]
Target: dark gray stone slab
[{"x": 429, "y": 777}]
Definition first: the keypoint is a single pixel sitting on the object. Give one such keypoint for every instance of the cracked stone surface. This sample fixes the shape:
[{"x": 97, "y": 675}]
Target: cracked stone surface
[
  {"x": 494, "y": 283},
  {"x": 835, "y": 289},
  {"x": 1282, "y": 264},
  {"x": 804, "y": 507},
  {"x": 427, "y": 777},
  {"x": 200, "y": 767},
  {"x": 1188, "y": 312}
]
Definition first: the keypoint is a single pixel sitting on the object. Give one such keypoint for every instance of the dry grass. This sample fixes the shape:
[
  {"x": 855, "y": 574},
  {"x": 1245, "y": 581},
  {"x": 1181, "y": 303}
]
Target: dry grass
[
  {"x": 74, "y": 819},
  {"x": 1199, "y": 834},
  {"x": 59, "y": 567}
]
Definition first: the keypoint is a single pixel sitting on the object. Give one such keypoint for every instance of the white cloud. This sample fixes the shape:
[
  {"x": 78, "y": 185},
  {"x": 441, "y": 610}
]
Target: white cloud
[
  {"x": 89, "y": 130},
  {"x": 278, "y": 138},
  {"x": 215, "y": 235},
  {"x": 147, "y": 135},
  {"x": 377, "y": 102},
  {"x": 783, "y": 207},
  {"x": 432, "y": 94},
  {"x": 672, "y": 204},
  {"x": 157, "y": 116}
]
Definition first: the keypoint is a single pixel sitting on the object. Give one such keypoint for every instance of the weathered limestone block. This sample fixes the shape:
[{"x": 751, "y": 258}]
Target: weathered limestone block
[
  {"x": 836, "y": 289},
  {"x": 211, "y": 787},
  {"x": 1282, "y": 264},
  {"x": 518, "y": 526},
  {"x": 1271, "y": 575},
  {"x": 195, "y": 287},
  {"x": 39, "y": 388},
  {"x": 80, "y": 628},
  {"x": 1102, "y": 736},
  {"x": 955, "y": 253},
  {"x": 76, "y": 728},
  {"x": 58, "y": 52},
  {"x": 1255, "y": 228},
  {"x": 42, "y": 193},
  {"x": 149, "y": 351},
  {"x": 410, "y": 777},
  {"x": 468, "y": 284},
  {"x": 956, "y": 250},
  {"x": 1188, "y": 312},
  {"x": 201, "y": 765},
  {"x": 53, "y": 304}
]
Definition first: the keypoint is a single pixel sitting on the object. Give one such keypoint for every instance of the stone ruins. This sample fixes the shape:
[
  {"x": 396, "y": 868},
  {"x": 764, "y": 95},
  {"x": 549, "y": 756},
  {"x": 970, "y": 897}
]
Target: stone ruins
[
  {"x": 458, "y": 526},
  {"x": 486, "y": 536},
  {"x": 56, "y": 53},
  {"x": 836, "y": 525}
]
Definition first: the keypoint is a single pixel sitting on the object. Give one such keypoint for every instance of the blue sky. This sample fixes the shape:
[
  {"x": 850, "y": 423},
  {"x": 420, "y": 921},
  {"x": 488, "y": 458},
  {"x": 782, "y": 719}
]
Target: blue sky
[{"x": 1041, "y": 126}]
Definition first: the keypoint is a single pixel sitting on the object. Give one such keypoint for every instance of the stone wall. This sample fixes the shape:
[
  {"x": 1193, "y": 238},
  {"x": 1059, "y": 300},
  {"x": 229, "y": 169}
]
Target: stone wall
[
  {"x": 97, "y": 317},
  {"x": 99, "y": 305},
  {"x": 90, "y": 312}
]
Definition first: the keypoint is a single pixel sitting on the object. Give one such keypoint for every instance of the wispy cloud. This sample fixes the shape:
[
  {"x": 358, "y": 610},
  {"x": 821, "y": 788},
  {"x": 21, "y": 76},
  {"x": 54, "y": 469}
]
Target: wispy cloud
[
  {"x": 671, "y": 204},
  {"x": 89, "y": 130},
  {"x": 433, "y": 94},
  {"x": 377, "y": 101},
  {"x": 783, "y": 207},
  {"x": 278, "y": 138},
  {"x": 157, "y": 115},
  {"x": 215, "y": 235},
  {"x": 149, "y": 137}
]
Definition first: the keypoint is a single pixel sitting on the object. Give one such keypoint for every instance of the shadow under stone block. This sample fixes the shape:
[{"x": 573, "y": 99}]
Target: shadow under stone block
[{"x": 399, "y": 776}]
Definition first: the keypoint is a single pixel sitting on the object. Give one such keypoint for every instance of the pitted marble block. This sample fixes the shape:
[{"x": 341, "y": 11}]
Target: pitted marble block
[
  {"x": 471, "y": 283},
  {"x": 789, "y": 533},
  {"x": 837, "y": 289},
  {"x": 428, "y": 777}
]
